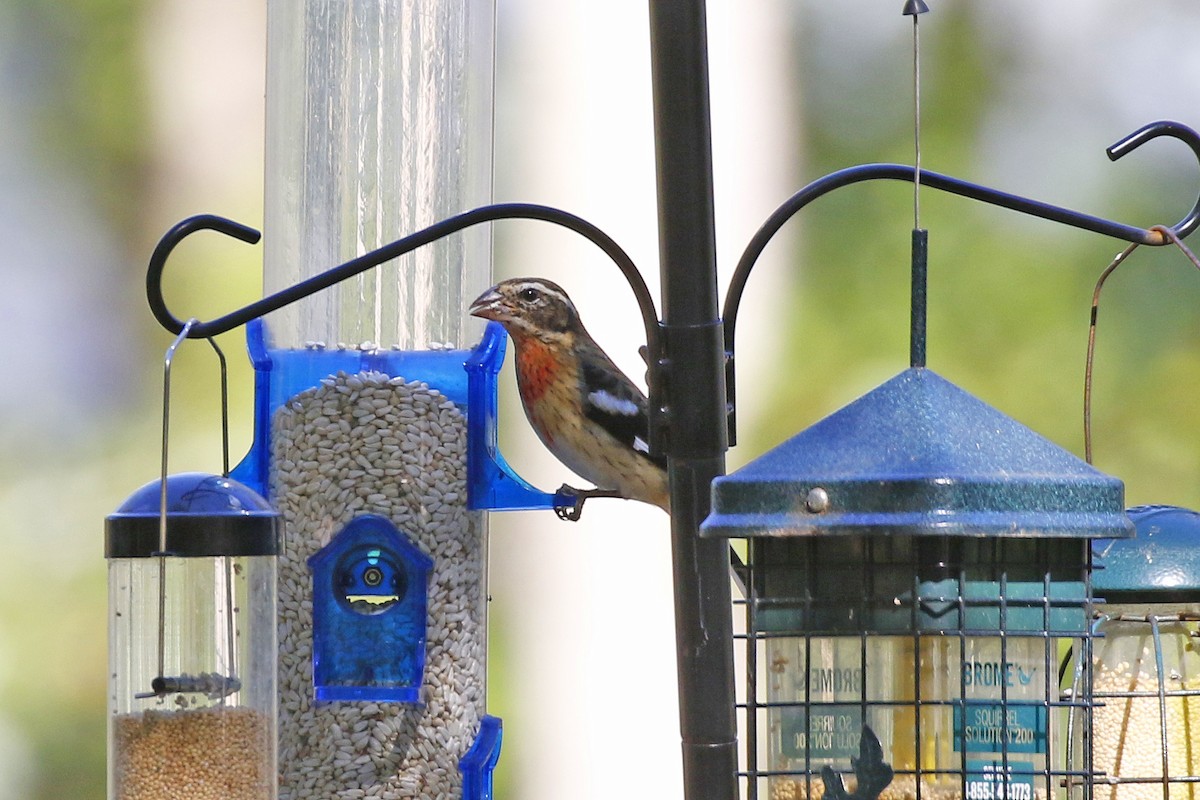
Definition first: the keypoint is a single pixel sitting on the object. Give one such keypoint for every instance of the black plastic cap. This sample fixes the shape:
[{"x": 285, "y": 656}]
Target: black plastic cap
[{"x": 207, "y": 515}]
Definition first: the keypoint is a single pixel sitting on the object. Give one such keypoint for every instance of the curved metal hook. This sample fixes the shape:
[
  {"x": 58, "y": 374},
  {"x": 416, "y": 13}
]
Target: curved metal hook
[
  {"x": 377, "y": 257},
  {"x": 158, "y": 262},
  {"x": 1175, "y": 130},
  {"x": 945, "y": 183}
]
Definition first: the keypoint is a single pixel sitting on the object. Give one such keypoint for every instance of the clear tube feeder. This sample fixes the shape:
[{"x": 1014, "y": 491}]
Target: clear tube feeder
[
  {"x": 192, "y": 653},
  {"x": 361, "y": 395}
]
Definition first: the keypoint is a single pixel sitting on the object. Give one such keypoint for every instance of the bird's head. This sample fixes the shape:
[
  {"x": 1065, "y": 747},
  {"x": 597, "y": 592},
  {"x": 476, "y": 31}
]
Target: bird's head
[{"x": 528, "y": 307}]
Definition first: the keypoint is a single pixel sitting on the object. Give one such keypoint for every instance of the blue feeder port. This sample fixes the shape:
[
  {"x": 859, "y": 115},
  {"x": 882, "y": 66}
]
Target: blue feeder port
[
  {"x": 369, "y": 614},
  {"x": 479, "y": 764}
]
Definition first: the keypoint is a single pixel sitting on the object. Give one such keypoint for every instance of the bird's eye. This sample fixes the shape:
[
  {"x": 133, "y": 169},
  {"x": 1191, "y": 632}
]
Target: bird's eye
[{"x": 528, "y": 295}]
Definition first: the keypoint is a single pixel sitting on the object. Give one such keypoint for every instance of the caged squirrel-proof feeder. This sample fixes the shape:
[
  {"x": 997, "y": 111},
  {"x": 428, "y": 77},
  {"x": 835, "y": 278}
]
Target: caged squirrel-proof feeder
[
  {"x": 1146, "y": 732},
  {"x": 915, "y": 562},
  {"x": 192, "y": 645}
]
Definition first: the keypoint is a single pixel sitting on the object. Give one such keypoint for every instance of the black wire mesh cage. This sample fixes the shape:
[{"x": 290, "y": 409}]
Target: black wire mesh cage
[
  {"x": 926, "y": 667},
  {"x": 917, "y": 603}
]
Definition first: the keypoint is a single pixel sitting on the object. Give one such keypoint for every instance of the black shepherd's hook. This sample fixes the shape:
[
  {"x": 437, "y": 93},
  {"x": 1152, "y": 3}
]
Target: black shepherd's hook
[
  {"x": 870, "y": 172},
  {"x": 324, "y": 280}
]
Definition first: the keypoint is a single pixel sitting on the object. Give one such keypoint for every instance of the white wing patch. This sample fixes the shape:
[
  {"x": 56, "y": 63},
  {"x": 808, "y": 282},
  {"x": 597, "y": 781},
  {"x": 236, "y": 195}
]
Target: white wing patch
[
  {"x": 612, "y": 404},
  {"x": 639, "y": 444}
]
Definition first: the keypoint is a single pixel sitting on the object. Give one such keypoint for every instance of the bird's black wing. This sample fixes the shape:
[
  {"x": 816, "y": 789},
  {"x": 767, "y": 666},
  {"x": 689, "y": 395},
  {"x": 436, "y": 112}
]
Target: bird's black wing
[
  {"x": 613, "y": 402},
  {"x": 872, "y": 774}
]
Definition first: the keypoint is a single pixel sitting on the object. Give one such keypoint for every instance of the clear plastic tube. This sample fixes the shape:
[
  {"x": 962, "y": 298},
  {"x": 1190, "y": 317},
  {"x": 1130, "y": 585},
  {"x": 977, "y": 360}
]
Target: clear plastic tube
[
  {"x": 210, "y": 729},
  {"x": 379, "y": 123},
  {"x": 1138, "y": 703}
]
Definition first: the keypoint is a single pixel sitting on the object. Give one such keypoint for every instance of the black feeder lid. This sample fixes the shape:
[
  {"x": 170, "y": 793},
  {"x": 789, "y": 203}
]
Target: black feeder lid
[
  {"x": 918, "y": 456},
  {"x": 1160, "y": 564},
  {"x": 207, "y": 515}
]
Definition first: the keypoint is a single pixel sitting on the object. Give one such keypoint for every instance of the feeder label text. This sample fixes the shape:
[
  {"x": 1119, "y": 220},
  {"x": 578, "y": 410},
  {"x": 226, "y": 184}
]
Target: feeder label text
[
  {"x": 829, "y": 732},
  {"x": 994, "y": 728},
  {"x": 990, "y": 781}
]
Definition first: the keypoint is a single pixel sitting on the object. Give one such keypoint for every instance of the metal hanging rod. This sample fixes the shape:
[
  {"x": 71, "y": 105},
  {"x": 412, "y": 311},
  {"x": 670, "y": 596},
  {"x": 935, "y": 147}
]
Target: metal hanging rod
[
  {"x": 334, "y": 275},
  {"x": 945, "y": 183}
]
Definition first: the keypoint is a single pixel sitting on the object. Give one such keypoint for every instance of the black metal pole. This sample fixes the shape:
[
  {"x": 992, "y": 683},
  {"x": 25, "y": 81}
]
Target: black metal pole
[{"x": 694, "y": 374}]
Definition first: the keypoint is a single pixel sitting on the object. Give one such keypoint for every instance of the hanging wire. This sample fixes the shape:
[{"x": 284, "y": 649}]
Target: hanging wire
[
  {"x": 162, "y": 497},
  {"x": 224, "y": 407},
  {"x": 166, "y": 423},
  {"x": 231, "y": 660},
  {"x": 919, "y": 262},
  {"x": 1162, "y": 706},
  {"x": 916, "y": 16},
  {"x": 1168, "y": 234},
  {"x": 163, "y": 685}
]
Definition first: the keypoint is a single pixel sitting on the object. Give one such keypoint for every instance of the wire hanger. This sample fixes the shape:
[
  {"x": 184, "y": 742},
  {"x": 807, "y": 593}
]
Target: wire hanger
[{"x": 1173, "y": 238}]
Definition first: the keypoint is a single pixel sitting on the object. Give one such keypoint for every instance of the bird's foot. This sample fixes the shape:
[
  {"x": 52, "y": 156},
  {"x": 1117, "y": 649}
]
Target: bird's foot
[{"x": 568, "y": 501}]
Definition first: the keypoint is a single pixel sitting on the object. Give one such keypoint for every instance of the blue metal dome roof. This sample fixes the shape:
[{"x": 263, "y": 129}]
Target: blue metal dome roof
[
  {"x": 1161, "y": 561},
  {"x": 918, "y": 456}
]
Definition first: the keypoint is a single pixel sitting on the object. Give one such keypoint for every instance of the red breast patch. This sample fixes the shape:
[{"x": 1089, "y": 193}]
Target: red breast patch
[{"x": 535, "y": 370}]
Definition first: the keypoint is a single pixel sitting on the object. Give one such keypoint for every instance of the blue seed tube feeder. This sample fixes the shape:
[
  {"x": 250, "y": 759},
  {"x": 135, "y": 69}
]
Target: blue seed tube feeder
[
  {"x": 915, "y": 562},
  {"x": 362, "y": 401},
  {"x": 382, "y": 590}
]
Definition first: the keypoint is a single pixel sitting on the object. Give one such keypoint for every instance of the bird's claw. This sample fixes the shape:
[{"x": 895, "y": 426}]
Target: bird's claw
[{"x": 568, "y": 501}]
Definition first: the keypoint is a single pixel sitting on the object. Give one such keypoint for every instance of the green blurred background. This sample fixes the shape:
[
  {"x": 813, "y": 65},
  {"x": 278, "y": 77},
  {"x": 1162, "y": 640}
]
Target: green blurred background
[{"x": 97, "y": 160}]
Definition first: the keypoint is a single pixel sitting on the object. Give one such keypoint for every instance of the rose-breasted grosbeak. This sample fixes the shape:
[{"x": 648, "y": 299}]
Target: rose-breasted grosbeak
[{"x": 583, "y": 408}]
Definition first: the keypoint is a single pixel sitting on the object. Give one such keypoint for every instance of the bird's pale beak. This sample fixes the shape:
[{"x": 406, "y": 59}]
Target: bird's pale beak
[{"x": 489, "y": 305}]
